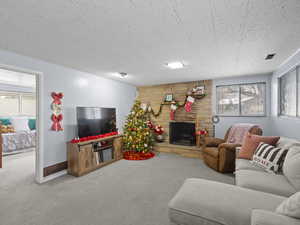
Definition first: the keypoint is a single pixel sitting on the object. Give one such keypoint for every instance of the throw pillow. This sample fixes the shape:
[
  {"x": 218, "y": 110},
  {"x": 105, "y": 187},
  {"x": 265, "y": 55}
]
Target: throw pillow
[
  {"x": 5, "y": 121},
  {"x": 269, "y": 157},
  {"x": 32, "y": 124},
  {"x": 291, "y": 166},
  {"x": 20, "y": 124},
  {"x": 290, "y": 206},
  {"x": 250, "y": 143}
]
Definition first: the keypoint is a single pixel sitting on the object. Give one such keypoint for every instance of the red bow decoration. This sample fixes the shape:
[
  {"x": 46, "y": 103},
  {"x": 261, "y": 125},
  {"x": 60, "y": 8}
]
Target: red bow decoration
[
  {"x": 56, "y": 122},
  {"x": 57, "y": 97}
]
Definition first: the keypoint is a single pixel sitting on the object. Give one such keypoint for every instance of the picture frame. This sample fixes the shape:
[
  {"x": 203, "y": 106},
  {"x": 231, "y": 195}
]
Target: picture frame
[
  {"x": 199, "y": 90},
  {"x": 168, "y": 97}
]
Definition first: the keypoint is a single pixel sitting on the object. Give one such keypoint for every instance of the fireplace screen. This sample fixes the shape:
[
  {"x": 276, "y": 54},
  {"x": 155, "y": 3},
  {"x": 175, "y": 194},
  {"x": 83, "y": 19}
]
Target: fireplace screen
[{"x": 182, "y": 133}]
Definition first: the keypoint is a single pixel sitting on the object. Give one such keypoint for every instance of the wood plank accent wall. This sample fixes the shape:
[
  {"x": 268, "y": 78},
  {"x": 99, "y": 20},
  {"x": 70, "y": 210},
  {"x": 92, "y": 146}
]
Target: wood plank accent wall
[{"x": 201, "y": 109}]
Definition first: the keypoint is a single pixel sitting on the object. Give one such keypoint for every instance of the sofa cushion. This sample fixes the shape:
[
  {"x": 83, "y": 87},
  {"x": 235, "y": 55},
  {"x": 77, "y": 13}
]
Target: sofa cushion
[
  {"x": 245, "y": 164},
  {"x": 263, "y": 181},
  {"x": 285, "y": 142},
  {"x": 212, "y": 151},
  {"x": 251, "y": 142},
  {"x": 291, "y": 166},
  {"x": 202, "y": 201},
  {"x": 264, "y": 217},
  {"x": 290, "y": 206}
]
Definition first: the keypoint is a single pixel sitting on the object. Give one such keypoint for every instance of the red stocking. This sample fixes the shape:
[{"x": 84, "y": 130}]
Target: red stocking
[
  {"x": 172, "y": 114},
  {"x": 172, "y": 111},
  {"x": 189, "y": 103}
]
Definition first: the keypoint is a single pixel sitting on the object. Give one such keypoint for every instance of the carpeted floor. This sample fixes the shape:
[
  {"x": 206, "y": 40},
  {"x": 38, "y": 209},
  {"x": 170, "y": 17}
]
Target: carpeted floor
[{"x": 123, "y": 193}]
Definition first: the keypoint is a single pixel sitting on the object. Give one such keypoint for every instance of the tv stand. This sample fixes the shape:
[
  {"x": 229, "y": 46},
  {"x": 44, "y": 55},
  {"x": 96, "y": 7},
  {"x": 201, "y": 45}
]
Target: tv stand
[{"x": 88, "y": 156}]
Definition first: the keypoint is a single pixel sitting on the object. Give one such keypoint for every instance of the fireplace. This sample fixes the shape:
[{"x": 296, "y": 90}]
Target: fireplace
[{"x": 182, "y": 133}]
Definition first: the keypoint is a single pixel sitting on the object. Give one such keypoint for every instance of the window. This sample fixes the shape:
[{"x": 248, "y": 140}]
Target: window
[
  {"x": 9, "y": 104},
  {"x": 289, "y": 93},
  {"x": 14, "y": 104},
  {"x": 28, "y": 106},
  {"x": 241, "y": 100},
  {"x": 228, "y": 100}
]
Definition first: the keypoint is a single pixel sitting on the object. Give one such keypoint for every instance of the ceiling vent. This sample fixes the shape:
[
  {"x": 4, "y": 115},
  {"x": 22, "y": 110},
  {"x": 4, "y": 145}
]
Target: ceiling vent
[{"x": 270, "y": 56}]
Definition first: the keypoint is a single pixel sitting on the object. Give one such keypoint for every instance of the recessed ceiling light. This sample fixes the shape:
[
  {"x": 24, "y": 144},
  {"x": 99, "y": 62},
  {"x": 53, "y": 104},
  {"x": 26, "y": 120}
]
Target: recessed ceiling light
[
  {"x": 175, "y": 65},
  {"x": 123, "y": 74},
  {"x": 270, "y": 56}
]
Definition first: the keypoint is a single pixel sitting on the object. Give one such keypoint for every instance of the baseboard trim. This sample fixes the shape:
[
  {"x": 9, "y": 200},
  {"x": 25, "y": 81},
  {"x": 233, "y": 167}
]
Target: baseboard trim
[
  {"x": 54, "y": 176},
  {"x": 55, "y": 168}
]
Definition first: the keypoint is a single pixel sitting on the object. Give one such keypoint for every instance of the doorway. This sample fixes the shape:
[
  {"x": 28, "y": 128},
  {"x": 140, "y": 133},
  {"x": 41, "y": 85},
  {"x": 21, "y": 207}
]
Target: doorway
[{"x": 20, "y": 108}]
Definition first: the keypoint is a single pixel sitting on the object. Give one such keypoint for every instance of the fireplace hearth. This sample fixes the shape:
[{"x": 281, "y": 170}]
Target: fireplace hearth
[{"x": 182, "y": 133}]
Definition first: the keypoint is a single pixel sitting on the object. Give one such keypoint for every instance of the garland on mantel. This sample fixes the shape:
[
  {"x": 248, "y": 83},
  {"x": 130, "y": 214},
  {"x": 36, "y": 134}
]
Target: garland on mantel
[{"x": 174, "y": 105}]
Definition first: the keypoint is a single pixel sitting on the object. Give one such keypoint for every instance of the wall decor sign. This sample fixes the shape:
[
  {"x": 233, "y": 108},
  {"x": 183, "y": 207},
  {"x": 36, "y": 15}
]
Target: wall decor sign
[
  {"x": 200, "y": 90},
  {"x": 57, "y": 115},
  {"x": 169, "y": 98}
]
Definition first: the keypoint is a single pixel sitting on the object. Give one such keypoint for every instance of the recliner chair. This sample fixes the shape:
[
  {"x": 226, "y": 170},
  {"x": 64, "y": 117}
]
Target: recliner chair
[{"x": 219, "y": 154}]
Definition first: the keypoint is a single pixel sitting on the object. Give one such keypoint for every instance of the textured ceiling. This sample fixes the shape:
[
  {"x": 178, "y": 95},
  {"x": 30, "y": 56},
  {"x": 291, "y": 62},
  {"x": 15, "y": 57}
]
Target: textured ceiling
[{"x": 215, "y": 38}]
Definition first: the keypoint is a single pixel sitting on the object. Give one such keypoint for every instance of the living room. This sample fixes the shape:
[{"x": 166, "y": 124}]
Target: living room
[{"x": 151, "y": 112}]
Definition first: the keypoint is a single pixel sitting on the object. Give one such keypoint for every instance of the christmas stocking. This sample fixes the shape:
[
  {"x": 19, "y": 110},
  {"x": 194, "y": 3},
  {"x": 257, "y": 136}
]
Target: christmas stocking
[
  {"x": 172, "y": 111},
  {"x": 189, "y": 103}
]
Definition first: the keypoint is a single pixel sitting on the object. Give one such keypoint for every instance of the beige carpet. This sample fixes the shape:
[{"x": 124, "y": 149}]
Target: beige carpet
[{"x": 123, "y": 193}]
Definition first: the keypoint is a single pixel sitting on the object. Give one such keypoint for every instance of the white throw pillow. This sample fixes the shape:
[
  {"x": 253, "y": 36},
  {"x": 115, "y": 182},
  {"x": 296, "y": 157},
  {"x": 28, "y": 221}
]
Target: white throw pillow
[
  {"x": 269, "y": 157},
  {"x": 291, "y": 166},
  {"x": 20, "y": 124},
  {"x": 290, "y": 206}
]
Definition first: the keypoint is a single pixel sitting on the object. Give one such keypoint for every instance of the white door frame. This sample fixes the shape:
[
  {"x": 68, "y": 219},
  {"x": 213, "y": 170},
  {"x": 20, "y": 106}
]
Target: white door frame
[{"x": 39, "y": 152}]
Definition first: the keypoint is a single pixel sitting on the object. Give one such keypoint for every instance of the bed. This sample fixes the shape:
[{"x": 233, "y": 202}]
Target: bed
[
  {"x": 17, "y": 134},
  {"x": 18, "y": 141}
]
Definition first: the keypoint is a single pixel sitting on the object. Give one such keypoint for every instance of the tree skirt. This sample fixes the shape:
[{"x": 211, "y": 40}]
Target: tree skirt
[{"x": 132, "y": 155}]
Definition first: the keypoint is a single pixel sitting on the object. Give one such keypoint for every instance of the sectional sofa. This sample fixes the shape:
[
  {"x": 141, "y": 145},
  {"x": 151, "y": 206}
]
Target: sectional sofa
[{"x": 252, "y": 201}]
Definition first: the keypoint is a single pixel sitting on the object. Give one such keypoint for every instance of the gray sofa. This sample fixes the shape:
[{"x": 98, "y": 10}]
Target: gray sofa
[{"x": 252, "y": 201}]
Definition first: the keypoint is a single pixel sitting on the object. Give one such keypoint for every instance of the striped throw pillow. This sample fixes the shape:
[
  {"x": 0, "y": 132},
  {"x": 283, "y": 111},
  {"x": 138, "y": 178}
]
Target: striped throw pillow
[{"x": 269, "y": 157}]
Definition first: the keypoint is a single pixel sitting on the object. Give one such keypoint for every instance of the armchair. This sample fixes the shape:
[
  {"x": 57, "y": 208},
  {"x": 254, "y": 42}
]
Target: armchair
[{"x": 219, "y": 154}]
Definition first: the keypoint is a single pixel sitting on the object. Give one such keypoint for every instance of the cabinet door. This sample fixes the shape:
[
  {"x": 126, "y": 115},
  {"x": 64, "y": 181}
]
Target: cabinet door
[
  {"x": 118, "y": 152},
  {"x": 86, "y": 159}
]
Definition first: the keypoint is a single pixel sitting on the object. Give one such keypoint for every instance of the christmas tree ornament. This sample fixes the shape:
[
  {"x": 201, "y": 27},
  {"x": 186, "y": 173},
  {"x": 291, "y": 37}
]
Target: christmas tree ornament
[{"x": 144, "y": 107}]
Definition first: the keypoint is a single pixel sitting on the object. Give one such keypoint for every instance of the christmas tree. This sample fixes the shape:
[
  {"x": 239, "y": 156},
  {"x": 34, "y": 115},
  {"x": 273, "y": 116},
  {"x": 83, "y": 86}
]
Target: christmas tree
[{"x": 137, "y": 135}]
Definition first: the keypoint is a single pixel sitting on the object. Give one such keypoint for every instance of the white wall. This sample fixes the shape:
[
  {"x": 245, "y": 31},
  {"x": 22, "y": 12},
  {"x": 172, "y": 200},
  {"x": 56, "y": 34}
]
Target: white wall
[
  {"x": 80, "y": 89},
  {"x": 226, "y": 122},
  {"x": 284, "y": 126}
]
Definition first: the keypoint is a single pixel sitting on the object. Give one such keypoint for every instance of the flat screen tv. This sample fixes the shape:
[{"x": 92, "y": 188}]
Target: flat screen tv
[{"x": 94, "y": 121}]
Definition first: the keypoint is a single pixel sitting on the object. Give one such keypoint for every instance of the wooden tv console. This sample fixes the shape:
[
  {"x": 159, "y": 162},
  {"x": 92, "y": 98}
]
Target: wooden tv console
[{"x": 88, "y": 156}]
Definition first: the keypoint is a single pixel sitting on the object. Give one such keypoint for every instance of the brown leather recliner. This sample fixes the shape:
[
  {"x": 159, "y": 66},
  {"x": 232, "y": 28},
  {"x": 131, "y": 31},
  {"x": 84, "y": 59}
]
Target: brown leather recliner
[{"x": 219, "y": 155}]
